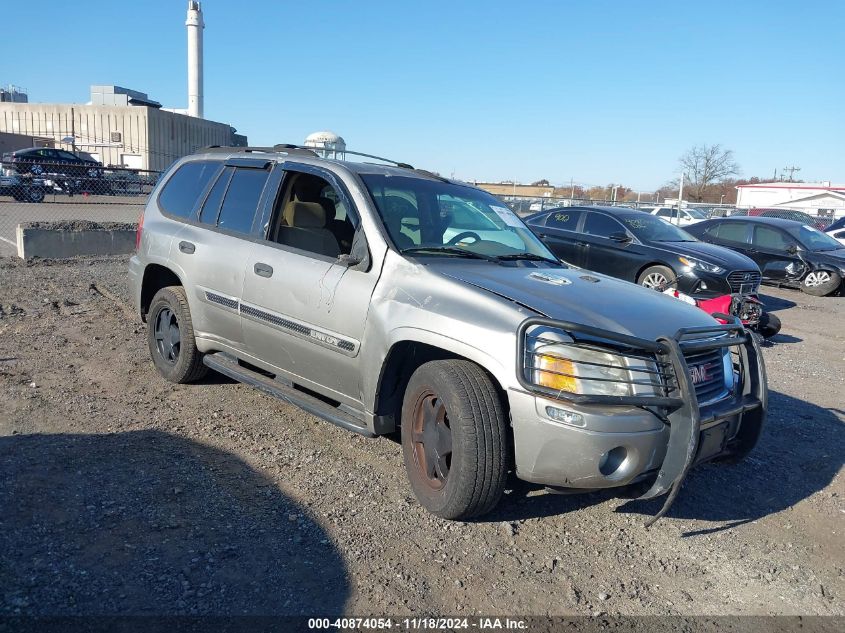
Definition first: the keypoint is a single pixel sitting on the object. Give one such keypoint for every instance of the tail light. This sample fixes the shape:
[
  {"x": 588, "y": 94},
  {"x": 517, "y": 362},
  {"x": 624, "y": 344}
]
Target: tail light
[{"x": 139, "y": 231}]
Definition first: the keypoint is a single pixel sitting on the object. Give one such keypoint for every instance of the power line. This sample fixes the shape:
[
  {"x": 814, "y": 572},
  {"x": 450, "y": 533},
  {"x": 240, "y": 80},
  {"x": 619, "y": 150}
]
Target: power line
[{"x": 791, "y": 171}]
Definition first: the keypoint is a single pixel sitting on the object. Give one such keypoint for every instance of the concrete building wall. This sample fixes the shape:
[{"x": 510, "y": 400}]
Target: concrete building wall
[
  {"x": 150, "y": 138},
  {"x": 11, "y": 142}
]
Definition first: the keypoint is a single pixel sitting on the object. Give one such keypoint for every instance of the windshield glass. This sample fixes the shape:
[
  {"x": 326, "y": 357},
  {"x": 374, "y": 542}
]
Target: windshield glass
[
  {"x": 650, "y": 228},
  {"x": 813, "y": 239},
  {"x": 420, "y": 213},
  {"x": 698, "y": 214}
]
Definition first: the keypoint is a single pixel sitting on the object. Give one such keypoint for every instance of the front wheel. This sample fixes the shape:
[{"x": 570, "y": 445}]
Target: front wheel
[
  {"x": 170, "y": 336},
  {"x": 820, "y": 283},
  {"x": 657, "y": 278},
  {"x": 454, "y": 439}
]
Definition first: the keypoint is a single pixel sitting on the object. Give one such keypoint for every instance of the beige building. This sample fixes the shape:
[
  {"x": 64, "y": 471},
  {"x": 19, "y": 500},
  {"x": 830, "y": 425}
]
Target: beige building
[{"x": 138, "y": 134}]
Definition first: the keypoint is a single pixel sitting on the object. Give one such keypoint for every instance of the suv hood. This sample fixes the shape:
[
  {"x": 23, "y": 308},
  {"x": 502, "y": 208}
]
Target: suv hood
[
  {"x": 572, "y": 294},
  {"x": 711, "y": 253}
]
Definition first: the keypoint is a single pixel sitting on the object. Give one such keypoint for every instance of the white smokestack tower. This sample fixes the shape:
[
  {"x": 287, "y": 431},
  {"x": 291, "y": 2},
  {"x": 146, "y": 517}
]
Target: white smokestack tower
[{"x": 195, "y": 26}]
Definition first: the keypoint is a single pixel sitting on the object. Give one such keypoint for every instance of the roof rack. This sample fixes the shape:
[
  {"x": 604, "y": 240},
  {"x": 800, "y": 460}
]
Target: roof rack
[
  {"x": 290, "y": 149},
  {"x": 302, "y": 149}
]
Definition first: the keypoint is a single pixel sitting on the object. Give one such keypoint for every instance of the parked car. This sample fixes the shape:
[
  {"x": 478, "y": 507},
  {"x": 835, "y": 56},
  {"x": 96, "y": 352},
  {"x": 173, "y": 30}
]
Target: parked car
[
  {"x": 788, "y": 253},
  {"x": 682, "y": 217},
  {"x": 22, "y": 189},
  {"x": 786, "y": 214},
  {"x": 642, "y": 249},
  {"x": 332, "y": 285},
  {"x": 39, "y": 161},
  {"x": 837, "y": 230}
]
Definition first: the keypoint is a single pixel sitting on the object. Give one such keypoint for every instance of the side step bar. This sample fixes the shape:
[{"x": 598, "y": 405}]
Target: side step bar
[{"x": 229, "y": 366}]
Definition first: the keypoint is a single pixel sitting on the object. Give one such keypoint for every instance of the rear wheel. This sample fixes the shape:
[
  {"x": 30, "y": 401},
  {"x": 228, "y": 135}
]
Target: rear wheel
[
  {"x": 170, "y": 336},
  {"x": 820, "y": 283},
  {"x": 657, "y": 278},
  {"x": 454, "y": 439}
]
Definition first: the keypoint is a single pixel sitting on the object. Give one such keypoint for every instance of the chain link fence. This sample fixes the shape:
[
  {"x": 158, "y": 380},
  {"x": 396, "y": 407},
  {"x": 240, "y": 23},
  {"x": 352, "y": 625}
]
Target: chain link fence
[{"x": 67, "y": 192}]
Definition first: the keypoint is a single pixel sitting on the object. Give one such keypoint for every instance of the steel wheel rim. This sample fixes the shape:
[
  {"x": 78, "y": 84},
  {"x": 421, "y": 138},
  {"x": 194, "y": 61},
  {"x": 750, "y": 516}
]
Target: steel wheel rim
[
  {"x": 432, "y": 440},
  {"x": 655, "y": 281},
  {"x": 37, "y": 169},
  {"x": 817, "y": 278},
  {"x": 167, "y": 336}
]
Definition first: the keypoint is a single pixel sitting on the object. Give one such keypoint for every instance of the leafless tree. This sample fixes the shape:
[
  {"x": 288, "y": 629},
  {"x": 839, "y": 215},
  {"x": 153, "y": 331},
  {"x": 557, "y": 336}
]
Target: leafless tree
[{"x": 706, "y": 165}]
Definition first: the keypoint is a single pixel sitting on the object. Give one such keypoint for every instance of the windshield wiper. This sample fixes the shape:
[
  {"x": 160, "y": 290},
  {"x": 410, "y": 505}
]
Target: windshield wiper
[
  {"x": 448, "y": 250},
  {"x": 527, "y": 257}
]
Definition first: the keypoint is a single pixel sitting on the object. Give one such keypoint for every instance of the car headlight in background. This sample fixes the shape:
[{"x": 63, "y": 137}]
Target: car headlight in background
[
  {"x": 697, "y": 264},
  {"x": 572, "y": 368}
]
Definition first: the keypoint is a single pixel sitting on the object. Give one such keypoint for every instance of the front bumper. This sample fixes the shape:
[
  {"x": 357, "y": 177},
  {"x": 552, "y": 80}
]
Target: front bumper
[{"x": 617, "y": 441}]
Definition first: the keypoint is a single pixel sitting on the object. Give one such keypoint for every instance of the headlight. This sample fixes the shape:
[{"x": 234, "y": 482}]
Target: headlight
[
  {"x": 574, "y": 368},
  {"x": 697, "y": 264}
]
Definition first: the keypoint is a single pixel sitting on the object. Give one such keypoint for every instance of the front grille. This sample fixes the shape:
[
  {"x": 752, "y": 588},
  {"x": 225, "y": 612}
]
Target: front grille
[
  {"x": 740, "y": 278},
  {"x": 707, "y": 373}
]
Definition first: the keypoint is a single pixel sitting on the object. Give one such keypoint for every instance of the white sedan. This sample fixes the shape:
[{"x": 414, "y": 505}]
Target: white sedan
[
  {"x": 687, "y": 216},
  {"x": 837, "y": 230}
]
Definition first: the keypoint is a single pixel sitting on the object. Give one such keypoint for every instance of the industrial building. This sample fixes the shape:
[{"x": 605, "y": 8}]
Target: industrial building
[
  {"x": 815, "y": 198},
  {"x": 119, "y": 126}
]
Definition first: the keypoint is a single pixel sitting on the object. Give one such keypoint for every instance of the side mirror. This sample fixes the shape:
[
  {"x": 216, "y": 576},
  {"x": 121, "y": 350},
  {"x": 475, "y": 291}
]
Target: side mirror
[
  {"x": 619, "y": 236},
  {"x": 792, "y": 249}
]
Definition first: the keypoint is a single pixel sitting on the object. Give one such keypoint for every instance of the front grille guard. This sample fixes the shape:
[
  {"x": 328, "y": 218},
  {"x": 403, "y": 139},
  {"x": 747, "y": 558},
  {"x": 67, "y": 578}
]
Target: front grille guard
[{"x": 678, "y": 406}]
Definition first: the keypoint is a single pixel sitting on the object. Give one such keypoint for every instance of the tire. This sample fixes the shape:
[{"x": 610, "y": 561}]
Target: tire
[
  {"x": 462, "y": 403},
  {"x": 769, "y": 325},
  {"x": 35, "y": 194},
  {"x": 651, "y": 277},
  {"x": 177, "y": 357},
  {"x": 820, "y": 283}
]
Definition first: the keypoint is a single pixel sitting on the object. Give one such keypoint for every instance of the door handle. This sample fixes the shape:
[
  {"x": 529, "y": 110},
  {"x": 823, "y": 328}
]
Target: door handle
[
  {"x": 187, "y": 247},
  {"x": 263, "y": 270}
]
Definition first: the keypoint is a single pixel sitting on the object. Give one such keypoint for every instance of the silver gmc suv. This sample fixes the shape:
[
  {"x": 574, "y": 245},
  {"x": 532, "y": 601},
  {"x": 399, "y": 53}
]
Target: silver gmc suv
[{"x": 387, "y": 299}]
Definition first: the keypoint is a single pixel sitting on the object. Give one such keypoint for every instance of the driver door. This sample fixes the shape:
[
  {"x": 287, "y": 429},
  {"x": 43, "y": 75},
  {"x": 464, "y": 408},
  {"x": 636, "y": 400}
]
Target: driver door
[
  {"x": 770, "y": 249},
  {"x": 304, "y": 302}
]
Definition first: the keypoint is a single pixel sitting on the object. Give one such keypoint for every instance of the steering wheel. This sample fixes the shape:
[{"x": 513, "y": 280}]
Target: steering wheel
[{"x": 460, "y": 237}]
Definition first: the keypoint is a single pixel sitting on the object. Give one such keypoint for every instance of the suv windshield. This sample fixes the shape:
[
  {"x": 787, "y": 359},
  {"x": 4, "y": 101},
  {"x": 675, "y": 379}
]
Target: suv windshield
[
  {"x": 650, "y": 228},
  {"x": 813, "y": 239},
  {"x": 422, "y": 214}
]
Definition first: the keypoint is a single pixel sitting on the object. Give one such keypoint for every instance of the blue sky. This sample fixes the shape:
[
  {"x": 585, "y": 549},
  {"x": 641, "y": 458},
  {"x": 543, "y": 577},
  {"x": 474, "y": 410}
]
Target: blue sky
[{"x": 597, "y": 91}]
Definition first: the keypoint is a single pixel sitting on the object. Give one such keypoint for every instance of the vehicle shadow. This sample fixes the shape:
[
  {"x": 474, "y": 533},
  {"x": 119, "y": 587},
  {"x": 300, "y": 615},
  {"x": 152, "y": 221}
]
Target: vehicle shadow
[
  {"x": 800, "y": 452},
  {"x": 773, "y": 304},
  {"x": 148, "y": 523}
]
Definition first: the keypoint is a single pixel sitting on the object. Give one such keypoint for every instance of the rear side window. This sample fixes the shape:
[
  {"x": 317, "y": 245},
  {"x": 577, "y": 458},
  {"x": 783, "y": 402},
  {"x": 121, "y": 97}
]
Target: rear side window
[
  {"x": 564, "y": 220},
  {"x": 732, "y": 232},
  {"x": 211, "y": 206},
  {"x": 180, "y": 194},
  {"x": 241, "y": 201}
]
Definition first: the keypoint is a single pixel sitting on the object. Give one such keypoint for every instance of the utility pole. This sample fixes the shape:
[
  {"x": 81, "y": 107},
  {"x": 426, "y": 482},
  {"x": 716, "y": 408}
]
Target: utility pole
[
  {"x": 680, "y": 198},
  {"x": 571, "y": 188},
  {"x": 791, "y": 171}
]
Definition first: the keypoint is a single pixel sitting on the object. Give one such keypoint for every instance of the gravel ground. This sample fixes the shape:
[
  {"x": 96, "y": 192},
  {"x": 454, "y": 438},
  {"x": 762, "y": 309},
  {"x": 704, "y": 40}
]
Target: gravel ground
[{"x": 122, "y": 493}]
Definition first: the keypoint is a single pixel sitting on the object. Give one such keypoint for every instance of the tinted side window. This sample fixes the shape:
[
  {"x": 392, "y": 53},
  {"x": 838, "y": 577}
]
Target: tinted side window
[
  {"x": 241, "y": 202},
  {"x": 211, "y": 206},
  {"x": 732, "y": 232},
  {"x": 601, "y": 225},
  {"x": 666, "y": 213},
  {"x": 181, "y": 192},
  {"x": 767, "y": 237},
  {"x": 564, "y": 220}
]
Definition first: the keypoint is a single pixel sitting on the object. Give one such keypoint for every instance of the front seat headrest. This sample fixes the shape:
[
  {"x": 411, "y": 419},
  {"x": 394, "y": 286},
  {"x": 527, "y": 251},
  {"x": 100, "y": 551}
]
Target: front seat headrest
[{"x": 305, "y": 215}]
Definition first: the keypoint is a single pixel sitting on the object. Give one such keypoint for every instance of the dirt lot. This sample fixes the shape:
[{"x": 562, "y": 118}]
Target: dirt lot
[{"x": 121, "y": 493}]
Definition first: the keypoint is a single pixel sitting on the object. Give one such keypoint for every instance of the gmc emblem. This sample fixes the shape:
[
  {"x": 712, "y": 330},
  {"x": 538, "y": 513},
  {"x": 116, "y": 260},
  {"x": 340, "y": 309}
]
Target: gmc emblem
[{"x": 698, "y": 374}]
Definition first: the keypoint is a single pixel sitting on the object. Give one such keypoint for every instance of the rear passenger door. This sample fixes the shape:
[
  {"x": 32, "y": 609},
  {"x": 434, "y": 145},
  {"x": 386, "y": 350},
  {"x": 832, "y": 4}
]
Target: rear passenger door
[
  {"x": 213, "y": 248},
  {"x": 308, "y": 284},
  {"x": 560, "y": 234}
]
